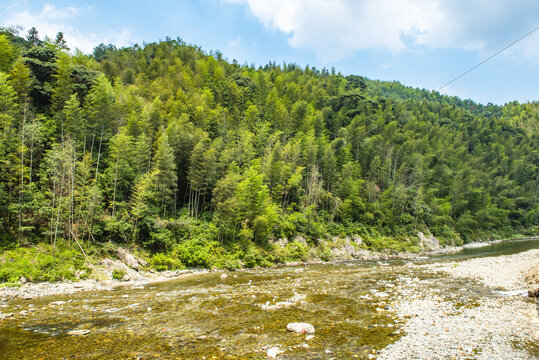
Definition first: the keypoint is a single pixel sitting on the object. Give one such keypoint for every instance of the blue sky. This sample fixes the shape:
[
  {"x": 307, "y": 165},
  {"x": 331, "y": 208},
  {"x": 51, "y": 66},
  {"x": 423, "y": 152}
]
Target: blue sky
[{"x": 420, "y": 43}]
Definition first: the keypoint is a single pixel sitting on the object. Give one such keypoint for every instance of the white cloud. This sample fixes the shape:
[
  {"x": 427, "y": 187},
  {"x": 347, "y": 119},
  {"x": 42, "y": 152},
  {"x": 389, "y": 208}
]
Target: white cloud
[
  {"x": 235, "y": 43},
  {"x": 335, "y": 29},
  {"x": 51, "y": 20}
]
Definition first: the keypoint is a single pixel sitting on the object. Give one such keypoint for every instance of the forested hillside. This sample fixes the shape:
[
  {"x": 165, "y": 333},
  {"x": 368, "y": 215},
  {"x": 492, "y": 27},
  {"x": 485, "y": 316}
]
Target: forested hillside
[{"x": 165, "y": 144}]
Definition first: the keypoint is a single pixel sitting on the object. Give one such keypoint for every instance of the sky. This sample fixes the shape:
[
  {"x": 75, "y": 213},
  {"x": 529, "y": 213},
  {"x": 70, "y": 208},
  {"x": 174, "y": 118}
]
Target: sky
[{"x": 420, "y": 43}]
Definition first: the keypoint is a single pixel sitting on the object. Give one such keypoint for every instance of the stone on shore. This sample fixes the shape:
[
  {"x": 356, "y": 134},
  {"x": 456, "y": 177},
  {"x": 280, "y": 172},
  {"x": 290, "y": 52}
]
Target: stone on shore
[
  {"x": 128, "y": 259},
  {"x": 428, "y": 242},
  {"x": 532, "y": 277},
  {"x": 300, "y": 328}
]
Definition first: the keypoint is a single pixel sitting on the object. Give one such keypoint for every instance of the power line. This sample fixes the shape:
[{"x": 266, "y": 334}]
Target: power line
[{"x": 490, "y": 57}]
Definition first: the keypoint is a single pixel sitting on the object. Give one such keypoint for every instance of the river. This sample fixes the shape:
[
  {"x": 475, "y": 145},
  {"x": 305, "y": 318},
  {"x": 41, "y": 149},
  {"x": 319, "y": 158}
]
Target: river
[{"x": 239, "y": 316}]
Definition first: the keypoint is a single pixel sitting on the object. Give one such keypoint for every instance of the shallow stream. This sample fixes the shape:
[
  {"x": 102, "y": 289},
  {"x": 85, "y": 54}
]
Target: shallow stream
[{"x": 235, "y": 317}]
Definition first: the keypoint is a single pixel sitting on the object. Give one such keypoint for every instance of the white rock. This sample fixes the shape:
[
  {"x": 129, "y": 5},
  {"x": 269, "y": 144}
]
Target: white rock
[
  {"x": 300, "y": 328},
  {"x": 127, "y": 258},
  {"x": 78, "y": 332},
  {"x": 223, "y": 276},
  {"x": 274, "y": 352},
  {"x": 309, "y": 337},
  {"x": 57, "y": 303}
]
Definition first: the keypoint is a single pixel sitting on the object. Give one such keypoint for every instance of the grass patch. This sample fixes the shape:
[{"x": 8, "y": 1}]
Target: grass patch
[{"x": 38, "y": 264}]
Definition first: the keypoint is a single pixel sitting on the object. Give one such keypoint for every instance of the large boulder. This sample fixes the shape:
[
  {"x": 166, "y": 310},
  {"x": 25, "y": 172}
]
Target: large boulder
[
  {"x": 300, "y": 328},
  {"x": 428, "y": 242},
  {"x": 127, "y": 258}
]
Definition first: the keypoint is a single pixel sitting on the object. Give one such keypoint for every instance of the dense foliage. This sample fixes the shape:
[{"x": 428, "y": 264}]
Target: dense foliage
[{"x": 171, "y": 148}]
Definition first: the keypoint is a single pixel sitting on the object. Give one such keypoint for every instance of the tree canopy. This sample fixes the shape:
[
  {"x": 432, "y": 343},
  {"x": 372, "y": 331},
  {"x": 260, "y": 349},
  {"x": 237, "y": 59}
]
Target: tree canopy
[{"x": 125, "y": 144}]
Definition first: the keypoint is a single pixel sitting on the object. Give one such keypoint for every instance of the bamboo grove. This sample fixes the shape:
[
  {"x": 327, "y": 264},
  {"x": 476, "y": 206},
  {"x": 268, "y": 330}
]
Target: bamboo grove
[{"x": 154, "y": 144}]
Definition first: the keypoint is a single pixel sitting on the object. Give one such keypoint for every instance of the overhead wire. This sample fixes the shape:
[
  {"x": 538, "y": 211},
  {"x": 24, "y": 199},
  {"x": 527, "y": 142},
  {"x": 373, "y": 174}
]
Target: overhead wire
[{"x": 487, "y": 59}]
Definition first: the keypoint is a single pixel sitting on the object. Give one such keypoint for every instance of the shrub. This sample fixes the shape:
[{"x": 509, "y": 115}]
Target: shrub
[
  {"x": 118, "y": 274},
  {"x": 256, "y": 257},
  {"x": 162, "y": 262},
  {"x": 323, "y": 252},
  {"x": 296, "y": 251},
  {"x": 198, "y": 253}
]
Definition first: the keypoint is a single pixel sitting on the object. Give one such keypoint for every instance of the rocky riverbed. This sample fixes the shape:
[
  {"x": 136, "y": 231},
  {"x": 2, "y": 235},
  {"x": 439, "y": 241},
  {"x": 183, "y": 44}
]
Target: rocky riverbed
[
  {"x": 415, "y": 308},
  {"x": 491, "y": 318}
]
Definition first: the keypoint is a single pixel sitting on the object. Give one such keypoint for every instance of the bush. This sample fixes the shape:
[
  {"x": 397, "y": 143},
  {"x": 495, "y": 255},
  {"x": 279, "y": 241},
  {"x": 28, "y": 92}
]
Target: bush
[
  {"x": 162, "y": 262},
  {"x": 256, "y": 257},
  {"x": 295, "y": 251},
  {"x": 160, "y": 240},
  {"x": 198, "y": 253},
  {"x": 323, "y": 252},
  {"x": 118, "y": 274}
]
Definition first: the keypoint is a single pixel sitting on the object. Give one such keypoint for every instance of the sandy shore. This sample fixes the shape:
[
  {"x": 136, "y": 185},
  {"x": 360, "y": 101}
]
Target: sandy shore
[{"x": 480, "y": 312}]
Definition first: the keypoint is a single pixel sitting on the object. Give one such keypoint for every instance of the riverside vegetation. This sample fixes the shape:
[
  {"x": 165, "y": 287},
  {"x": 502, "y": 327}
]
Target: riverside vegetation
[{"x": 192, "y": 160}]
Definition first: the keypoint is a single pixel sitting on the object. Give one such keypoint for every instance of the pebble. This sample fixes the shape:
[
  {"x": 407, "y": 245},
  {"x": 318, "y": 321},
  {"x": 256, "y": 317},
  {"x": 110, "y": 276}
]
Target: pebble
[
  {"x": 223, "y": 276},
  {"x": 454, "y": 325}
]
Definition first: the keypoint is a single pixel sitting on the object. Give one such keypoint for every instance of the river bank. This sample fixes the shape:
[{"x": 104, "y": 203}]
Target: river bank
[
  {"x": 136, "y": 276},
  {"x": 35, "y": 290},
  {"x": 386, "y": 308},
  {"x": 490, "y": 318}
]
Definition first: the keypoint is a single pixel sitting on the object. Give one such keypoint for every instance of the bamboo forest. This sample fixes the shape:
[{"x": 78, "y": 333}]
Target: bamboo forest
[{"x": 194, "y": 160}]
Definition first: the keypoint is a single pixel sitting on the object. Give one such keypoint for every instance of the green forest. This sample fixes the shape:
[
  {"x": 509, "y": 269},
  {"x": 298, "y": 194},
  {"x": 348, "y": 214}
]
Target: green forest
[{"x": 202, "y": 161}]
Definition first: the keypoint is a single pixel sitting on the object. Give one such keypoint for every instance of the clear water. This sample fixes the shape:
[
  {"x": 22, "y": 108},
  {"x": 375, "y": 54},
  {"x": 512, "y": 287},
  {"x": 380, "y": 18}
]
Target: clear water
[{"x": 240, "y": 317}]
